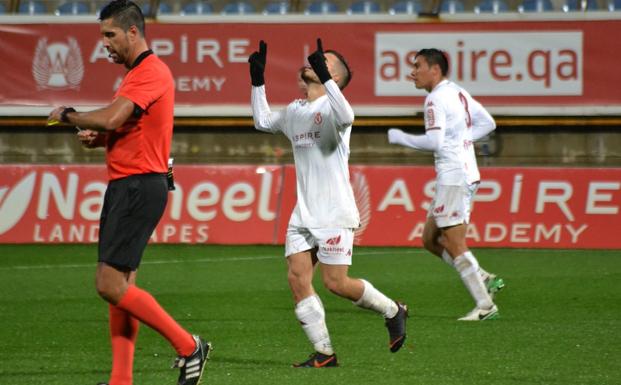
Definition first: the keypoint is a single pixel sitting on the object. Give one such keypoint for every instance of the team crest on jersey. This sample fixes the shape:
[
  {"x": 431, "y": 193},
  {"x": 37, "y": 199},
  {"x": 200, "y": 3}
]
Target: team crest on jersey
[
  {"x": 58, "y": 65},
  {"x": 318, "y": 118},
  {"x": 334, "y": 241}
]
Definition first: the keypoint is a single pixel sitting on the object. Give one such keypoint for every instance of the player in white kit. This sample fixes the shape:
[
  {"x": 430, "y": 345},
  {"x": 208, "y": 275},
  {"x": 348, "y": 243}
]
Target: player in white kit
[
  {"x": 453, "y": 121},
  {"x": 321, "y": 227}
]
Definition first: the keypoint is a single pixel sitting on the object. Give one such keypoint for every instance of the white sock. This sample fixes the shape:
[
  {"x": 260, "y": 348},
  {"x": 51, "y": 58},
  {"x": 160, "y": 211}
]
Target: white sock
[
  {"x": 484, "y": 274},
  {"x": 468, "y": 268},
  {"x": 373, "y": 299},
  {"x": 312, "y": 317},
  {"x": 446, "y": 257}
]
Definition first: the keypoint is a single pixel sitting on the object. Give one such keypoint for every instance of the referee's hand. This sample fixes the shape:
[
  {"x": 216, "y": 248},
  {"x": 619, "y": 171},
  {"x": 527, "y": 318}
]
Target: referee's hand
[{"x": 88, "y": 138}]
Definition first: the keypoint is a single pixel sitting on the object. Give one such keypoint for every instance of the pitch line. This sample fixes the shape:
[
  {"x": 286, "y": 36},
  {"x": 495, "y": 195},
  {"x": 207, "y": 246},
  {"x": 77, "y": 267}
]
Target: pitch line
[{"x": 202, "y": 260}]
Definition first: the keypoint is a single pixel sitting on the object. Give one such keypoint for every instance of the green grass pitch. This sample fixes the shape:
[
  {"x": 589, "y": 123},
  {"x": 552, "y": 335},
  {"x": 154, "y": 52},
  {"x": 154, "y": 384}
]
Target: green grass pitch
[{"x": 560, "y": 318}]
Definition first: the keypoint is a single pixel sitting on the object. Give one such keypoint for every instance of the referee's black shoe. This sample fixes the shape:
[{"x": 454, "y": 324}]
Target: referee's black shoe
[
  {"x": 396, "y": 327},
  {"x": 192, "y": 366}
]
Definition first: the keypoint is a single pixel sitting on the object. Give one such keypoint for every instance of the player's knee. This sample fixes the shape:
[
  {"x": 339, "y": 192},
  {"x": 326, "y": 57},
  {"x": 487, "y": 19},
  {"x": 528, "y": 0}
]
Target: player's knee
[
  {"x": 294, "y": 277},
  {"x": 334, "y": 285},
  {"x": 107, "y": 292}
]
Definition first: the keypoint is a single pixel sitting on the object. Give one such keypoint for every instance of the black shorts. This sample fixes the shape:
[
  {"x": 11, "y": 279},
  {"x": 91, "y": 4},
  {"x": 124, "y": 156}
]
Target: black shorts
[{"x": 132, "y": 208}]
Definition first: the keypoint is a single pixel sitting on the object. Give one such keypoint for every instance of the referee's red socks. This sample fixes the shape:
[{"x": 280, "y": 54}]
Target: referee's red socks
[
  {"x": 123, "y": 333},
  {"x": 144, "y": 307}
]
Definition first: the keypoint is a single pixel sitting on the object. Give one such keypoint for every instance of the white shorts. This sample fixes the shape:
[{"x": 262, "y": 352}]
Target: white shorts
[
  {"x": 334, "y": 246},
  {"x": 452, "y": 205}
]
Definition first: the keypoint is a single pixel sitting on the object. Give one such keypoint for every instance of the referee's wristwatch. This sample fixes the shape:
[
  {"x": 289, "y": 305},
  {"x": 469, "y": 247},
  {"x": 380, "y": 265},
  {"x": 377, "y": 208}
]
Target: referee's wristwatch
[{"x": 63, "y": 114}]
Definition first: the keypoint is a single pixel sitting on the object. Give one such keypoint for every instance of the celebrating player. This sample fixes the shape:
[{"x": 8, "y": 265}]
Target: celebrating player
[
  {"x": 453, "y": 120},
  {"x": 136, "y": 130},
  {"x": 321, "y": 227}
]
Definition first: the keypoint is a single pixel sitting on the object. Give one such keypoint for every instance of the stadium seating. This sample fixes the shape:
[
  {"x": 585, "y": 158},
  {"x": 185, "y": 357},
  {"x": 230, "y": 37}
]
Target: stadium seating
[
  {"x": 536, "y": 6},
  {"x": 2, "y": 8},
  {"x": 321, "y": 7},
  {"x": 238, "y": 8},
  {"x": 614, "y": 5},
  {"x": 451, "y": 6},
  {"x": 405, "y": 6},
  {"x": 197, "y": 8},
  {"x": 277, "y": 8},
  {"x": 163, "y": 8},
  {"x": 491, "y": 6},
  {"x": 32, "y": 7},
  {"x": 72, "y": 8},
  {"x": 364, "y": 7},
  {"x": 576, "y": 5}
]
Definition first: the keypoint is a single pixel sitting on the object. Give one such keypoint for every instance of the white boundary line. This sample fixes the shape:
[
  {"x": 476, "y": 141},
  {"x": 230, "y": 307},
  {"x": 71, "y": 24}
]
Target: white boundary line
[{"x": 203, "y": 260}]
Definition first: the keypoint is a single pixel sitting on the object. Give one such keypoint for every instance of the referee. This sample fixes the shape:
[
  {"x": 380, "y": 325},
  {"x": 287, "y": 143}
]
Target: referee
[{"x": 136, "y": 130}]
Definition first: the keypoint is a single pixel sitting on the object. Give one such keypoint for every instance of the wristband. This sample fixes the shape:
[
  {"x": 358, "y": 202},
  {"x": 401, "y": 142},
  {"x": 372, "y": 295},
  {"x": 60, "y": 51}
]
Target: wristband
[{"x": 63, "y": 114}]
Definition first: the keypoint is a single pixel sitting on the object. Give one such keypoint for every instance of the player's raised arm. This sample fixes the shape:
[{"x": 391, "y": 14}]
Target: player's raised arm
[
  {"x": 333, "y": 72},
  {"x": 264, "y": 118}
]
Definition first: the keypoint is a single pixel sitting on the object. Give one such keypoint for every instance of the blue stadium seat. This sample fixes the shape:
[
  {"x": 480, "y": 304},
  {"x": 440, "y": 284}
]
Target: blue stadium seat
[
  {"x": 2, "y": 8},
  {"x": 491, "y": 6},
  {"x": 163, "y": 8},
  {"x": 197, "y": 8},
  {"x": 576, "y": 5},
  {"x": 614, "y": 5},
  {"x": 536, "y": 6},
  {"x": 277, "y": 8},
  {"x": 238, "y": 7},
  {"x": 321, "y": 7},
  {"x": 451, "y": 6},
  {"x": 364, "y": 6},
  {"x": 32, "y": 7},
  {"x": 405, "y": 6},
  {"x": 73, "y": 8}
]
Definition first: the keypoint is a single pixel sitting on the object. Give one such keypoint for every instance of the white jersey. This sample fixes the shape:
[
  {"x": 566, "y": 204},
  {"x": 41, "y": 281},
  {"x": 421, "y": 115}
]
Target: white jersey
[
  {"x": 452, "y": 110},
  {"x": 319, "y": 132}
]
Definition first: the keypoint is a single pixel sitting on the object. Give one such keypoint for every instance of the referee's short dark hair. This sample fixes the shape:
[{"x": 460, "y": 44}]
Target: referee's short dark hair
[
  {"x": 125, "y": 13},
  {"x": 435, "y": 56}
]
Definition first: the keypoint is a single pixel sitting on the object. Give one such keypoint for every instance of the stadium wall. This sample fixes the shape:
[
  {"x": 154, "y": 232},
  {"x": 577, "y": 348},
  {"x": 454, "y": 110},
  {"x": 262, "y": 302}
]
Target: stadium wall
[
  {"x": 563, "y": 117},
  {"x": 249, "y": 204}
]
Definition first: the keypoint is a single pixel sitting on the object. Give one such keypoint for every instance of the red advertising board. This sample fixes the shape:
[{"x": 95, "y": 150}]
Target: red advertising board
[
  {"x": 515, "y": 207},
  {"x": 506, "y": 64}
]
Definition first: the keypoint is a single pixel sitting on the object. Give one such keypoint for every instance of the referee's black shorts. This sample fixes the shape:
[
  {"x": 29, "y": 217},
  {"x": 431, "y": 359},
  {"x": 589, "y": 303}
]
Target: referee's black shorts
[{"x": 132, "y": 208}]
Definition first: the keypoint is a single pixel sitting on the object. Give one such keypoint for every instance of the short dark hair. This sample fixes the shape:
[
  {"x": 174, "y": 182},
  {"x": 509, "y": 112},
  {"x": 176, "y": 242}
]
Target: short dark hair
[
  {"x": 344, "y": 62},
  {"x": 125, "y": 14},
  {"x": 435, "y": 56}
]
